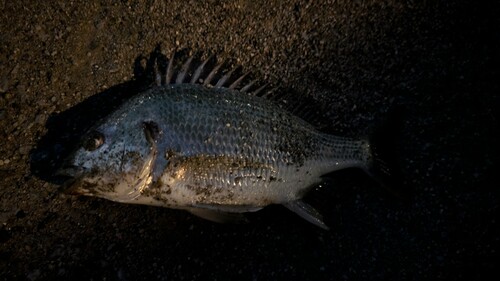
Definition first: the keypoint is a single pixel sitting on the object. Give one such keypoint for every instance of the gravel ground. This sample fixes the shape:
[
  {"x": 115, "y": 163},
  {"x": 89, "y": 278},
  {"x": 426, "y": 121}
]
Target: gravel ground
[{"x": 64, "y": 64}]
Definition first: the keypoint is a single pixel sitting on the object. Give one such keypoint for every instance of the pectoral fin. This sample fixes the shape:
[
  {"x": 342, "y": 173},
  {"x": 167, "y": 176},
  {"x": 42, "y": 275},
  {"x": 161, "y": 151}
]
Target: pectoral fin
[
  {"x": 151, "y": 132},
  {"x": 307, "y": 212},
  {"x": 218, "y": 216}
]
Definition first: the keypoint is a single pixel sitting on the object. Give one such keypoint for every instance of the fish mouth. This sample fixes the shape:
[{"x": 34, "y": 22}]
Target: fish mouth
[
  {"x": 71, "y": 176},
  {"x": 71, "y": 171}
]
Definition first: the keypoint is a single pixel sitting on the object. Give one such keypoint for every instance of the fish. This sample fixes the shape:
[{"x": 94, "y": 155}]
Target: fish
[{"x": 212, "y": 148}]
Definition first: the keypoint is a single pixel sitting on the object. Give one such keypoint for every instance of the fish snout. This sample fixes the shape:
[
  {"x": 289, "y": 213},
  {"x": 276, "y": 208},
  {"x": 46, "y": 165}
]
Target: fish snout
[
  {"x": 71, "y": 175},
  {"x": 71, "y": 171}
]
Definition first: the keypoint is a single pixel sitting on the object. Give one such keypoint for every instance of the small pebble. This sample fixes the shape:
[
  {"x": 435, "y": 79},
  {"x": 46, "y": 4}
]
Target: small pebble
[
  {"x": 20, "y": 214},
  {"x": 24, "y": 149}
]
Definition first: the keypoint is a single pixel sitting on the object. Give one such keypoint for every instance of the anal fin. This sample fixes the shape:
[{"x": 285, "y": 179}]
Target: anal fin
[
  {"x": 306, "y": 212},
  {"x": 218, "y": 216}
]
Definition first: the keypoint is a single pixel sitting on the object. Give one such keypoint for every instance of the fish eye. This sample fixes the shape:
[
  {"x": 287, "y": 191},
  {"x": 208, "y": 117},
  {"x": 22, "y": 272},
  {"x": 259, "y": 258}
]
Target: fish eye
[{"x": 94, "y": 140}]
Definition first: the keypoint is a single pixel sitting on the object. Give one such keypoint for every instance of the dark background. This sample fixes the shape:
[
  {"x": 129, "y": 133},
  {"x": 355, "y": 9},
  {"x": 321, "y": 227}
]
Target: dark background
[{"x": 63, "y": 64}]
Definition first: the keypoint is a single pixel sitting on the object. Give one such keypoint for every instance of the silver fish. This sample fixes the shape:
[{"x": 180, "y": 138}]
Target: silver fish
[{"x": 214, "y": 151}]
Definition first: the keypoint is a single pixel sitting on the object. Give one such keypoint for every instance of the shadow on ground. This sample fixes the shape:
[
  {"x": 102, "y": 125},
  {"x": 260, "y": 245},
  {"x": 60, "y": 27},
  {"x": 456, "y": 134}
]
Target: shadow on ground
[{"x": 65, "y": 129}]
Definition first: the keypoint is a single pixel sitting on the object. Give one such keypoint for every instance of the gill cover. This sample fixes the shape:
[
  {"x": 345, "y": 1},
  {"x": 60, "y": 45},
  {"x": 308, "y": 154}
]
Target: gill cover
[{"x": 144, "y": 177}]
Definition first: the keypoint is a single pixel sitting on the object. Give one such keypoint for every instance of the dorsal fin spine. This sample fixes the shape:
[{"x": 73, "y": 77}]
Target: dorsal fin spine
[
  {"x": 238, "y": 81},
  {"x": 212, "y": 74},
  {"x": 170, "y": 70},
  {"x": 247, "y": 86},
  {"x": 184, "y": 71},
  {"x": 199, "y": 70},
  {"x": 224, "y": 78}
]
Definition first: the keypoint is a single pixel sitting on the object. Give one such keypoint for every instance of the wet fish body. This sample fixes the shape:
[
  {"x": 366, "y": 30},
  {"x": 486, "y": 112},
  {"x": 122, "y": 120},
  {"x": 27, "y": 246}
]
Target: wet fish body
[{"x": 213, "y": 151}]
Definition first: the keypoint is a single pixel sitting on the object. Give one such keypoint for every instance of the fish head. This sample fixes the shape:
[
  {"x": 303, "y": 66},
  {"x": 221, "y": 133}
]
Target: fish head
[{"x": 114, "y": 160}]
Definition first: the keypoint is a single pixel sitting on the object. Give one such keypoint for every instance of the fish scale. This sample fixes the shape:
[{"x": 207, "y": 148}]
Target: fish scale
[
  {"x": 260, "y": 136},
  {"x": 213, "y": 151}
]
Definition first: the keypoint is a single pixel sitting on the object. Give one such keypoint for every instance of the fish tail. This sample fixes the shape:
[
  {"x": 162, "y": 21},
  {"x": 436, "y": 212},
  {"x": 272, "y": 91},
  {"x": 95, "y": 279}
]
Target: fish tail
[{"x": 381, "y": 157}]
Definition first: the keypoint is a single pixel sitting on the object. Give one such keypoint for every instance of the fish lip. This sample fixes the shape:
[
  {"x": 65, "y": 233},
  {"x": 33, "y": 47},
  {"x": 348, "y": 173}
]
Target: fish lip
[
  {"x": 71, "y": 171},
  {"x": 72, "y": 176},
  {"x": 71, "y": 187}
]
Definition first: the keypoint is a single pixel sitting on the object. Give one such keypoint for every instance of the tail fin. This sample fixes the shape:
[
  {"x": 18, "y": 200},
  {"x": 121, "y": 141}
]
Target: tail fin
[{"x": 382, "y": 153}]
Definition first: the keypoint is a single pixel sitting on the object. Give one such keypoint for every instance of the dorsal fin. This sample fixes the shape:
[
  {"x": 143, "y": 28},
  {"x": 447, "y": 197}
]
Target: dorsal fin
[
  {"x": 184, "y": 71},
  {"x": 199, "y": 70},
  {"x": 248, "y": 86},
  {"x": 225, "y": 78},
  {"x": 238, "y": 81},
  {"x": 170, "y": 69},
  {"x": 208, "y": 72},
  {"x": 183, "y": 68},
  {"x": 212, "y": 73}
]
